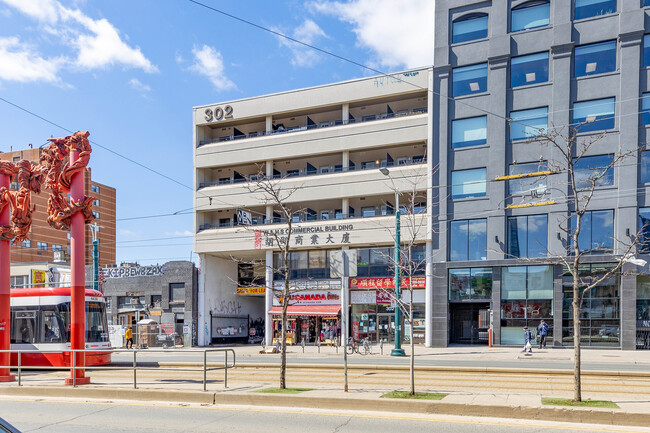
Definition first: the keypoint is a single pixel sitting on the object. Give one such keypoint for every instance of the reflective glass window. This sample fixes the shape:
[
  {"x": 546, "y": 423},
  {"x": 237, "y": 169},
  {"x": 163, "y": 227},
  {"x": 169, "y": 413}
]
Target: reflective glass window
[
  {"x": 469, "y": 28},
  {"x": 468, "y": 183},
  {"x": 525, "y": 124},
  {"x": 470, "y": 283},
  {"x": 646, "y": 50},
  {"x": 645, "y": 109},
  {"x": 594, "y": 115},
  {"x": 527, "y": 236},
  {"x": 470, "y": 79},
  {"x": 596, "y": 231},
  {"x": 527, "y": 184},
  {"x": 592, "y": 8},
  {"x": 593, "y": 171},
  {"x": 530, "y": 15},
  {"x": 645, "y": 167},
  {"x": 644, "y": 230},
  {"x": 468, "y": 240},
  {"x": 469, "y": 132},
  {"x": 595, "y": 58},
  {"x": 529, "y": 69}
]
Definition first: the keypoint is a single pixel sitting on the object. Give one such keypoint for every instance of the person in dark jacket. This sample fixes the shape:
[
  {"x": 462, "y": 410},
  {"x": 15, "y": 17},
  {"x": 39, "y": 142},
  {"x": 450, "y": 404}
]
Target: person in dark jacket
[
  {"x": 542, "y": 330},
  {"x": 528, "y": 337}
]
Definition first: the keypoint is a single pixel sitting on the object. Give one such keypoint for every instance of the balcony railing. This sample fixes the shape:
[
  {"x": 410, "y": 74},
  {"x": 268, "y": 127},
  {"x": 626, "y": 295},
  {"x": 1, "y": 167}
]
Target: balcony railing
[
  {"x": 282, "y": 130},
  {"x": 366, "y": 212},
  {"x": 415, "y": 160}
]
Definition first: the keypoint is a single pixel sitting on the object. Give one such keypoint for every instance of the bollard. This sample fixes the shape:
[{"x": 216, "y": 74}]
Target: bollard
[
  {"x": 318, "y": 343},
  {"x": 381, "y": 346},
  {"x": 135, "y": 362},
  {"x": 303, "y": 345}
]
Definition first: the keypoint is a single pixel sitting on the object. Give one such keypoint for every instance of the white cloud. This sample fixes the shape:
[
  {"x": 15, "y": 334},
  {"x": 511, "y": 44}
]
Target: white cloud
[
  {"x": 21, "y": 62},
  {"x": 307, "y": 32},
  {"x": 139, "y": 86},
  {"x": 399, "y": 33},
  {"x": 209, "y": 62},
  {"x": 97, "y": 44},
  {"x": 179, "y": 233},
  {"x": 42, "y": 10}
]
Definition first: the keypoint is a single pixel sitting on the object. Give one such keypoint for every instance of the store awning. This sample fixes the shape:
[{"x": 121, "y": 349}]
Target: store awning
[{"x": 308, "y": 310}]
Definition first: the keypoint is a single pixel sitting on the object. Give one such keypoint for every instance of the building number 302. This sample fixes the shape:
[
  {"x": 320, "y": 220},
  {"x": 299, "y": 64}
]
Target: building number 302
[{"x": 218, "y": 113}]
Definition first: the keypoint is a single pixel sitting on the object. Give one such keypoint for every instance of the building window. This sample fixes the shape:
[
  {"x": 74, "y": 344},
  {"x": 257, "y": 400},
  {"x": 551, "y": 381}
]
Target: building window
[
  {"x": 591, "y": 171},
  {"x": 19, "y": 281},
  {"x": 469, "y": 80},
  {"x": 56, "y": 247},
  {"x": 644, "y": 230},
  {"x": 26, "y": 243},
  {"x": 94, "y": 188},
  {"x": 468, "y": 183},
  {"x": 527, "y": 236},
  {"x": 595, "y": 58},
  {"x": 643, "y": 297},
  {"x": 646, "y": 50},
  {"x": 645, "y": 167},
  {"x": 468, "y": 240},
  {"x": 600, "y": 314},
  {"x": 469, "y": 132},
  {"x": 96, "y": 215},
  {"x": 645, "y": 108},
  {"x": 527, "y": 184},
  {"x": 368, "y": 211},
  {"x": 469, "y": 28},
  {"x": 470, "y": 284},
  {"x": 41, "y": 246},
  {"x": 529, "y": 69},
  {"x": 596, "y": 232},
  {"x": 592, "y": 8},
  {"x": 526, "y": 299},
  {"x": 530, "y": 15},
  {"x": 375, "y": 262},
  {"x": 525, "y": 124},
  {"x": 176, "y": 292},
  {"x": 95, "y": 202},
  {"x": 594, "y": 115}
]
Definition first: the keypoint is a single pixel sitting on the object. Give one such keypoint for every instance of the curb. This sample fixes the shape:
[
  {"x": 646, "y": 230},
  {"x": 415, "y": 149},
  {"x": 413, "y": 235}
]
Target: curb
[{"x": 608, "y": 417}]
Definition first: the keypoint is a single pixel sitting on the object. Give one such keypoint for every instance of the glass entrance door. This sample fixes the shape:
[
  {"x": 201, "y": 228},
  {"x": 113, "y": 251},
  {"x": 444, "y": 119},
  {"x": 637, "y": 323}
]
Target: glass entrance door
[{"x": 386, "y": 328}]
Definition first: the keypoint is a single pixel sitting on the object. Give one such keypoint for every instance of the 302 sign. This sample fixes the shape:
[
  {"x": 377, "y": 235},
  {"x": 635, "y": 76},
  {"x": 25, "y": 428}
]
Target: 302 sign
[{"x": 218, "y": 113}]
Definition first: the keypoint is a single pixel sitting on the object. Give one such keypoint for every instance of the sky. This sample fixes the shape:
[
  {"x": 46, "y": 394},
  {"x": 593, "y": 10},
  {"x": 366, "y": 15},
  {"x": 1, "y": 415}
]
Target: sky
[{"x": 131, "y": 71}]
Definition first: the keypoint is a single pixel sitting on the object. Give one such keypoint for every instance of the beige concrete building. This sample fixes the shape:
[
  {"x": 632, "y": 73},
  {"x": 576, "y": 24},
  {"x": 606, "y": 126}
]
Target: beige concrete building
[{"x": 327, "y": 143}]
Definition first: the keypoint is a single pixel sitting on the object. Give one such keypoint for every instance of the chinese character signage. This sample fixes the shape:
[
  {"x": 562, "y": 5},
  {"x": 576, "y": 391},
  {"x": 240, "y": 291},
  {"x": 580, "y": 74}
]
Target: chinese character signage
[
  {"x": 38, "y": 278},
  {"x": 335, "y": 234},
  {"x": 385, "y": 283}
]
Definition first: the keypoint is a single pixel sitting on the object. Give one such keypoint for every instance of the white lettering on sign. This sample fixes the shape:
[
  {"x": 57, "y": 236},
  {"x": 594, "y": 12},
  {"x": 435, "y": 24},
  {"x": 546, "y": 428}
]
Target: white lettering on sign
[{"x": 132, "y": 271}]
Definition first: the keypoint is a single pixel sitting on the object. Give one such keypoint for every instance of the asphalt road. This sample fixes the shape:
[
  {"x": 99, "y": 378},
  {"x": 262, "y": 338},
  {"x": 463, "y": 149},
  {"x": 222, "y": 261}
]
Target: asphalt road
[
  {"x": 421, "y": 360},
  {"x": 51, "y": 416}
]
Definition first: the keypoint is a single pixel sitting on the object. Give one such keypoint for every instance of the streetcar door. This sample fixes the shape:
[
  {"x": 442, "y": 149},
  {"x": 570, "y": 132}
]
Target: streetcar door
[{"x": 24, "y": 328}]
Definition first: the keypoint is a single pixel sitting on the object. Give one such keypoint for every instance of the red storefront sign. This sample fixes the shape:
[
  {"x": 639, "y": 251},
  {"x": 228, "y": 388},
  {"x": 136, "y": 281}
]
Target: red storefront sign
[{"x": 386, "y": 283}]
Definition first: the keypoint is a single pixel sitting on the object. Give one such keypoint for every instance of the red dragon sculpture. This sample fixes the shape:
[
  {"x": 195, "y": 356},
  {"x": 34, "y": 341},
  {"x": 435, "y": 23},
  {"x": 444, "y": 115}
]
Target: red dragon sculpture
[{"x": 10, "y": 169}]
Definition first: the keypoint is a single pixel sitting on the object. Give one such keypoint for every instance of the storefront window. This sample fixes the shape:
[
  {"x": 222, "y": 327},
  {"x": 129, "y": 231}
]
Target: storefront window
[
  {"x": 600, "y": 313},
  {"x": 470, "y": 284},
  {"x": 643, "y": 297},
  {"x": 526, "y": 299}
]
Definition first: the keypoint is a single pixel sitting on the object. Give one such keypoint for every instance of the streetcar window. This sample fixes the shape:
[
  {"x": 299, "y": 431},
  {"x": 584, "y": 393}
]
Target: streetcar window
[
  {"x": 24, "y": 326},
  {"x": 96, "y": 327},
  {"x": 52, "y": 330},
  {"x": 63, "y": 311}
]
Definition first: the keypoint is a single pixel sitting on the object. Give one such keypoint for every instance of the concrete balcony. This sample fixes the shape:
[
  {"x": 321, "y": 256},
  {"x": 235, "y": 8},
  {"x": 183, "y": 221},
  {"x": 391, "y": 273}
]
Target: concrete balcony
[
  {"x": 357, "y": 183},
  {"x": 388, "y": 132},
  {"x": 312, "y": 235}
]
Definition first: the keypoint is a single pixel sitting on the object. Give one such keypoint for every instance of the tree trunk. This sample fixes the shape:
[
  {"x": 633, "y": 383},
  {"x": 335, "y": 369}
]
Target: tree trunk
[
  {"x": 412, "y": 368},
  {"x": 283, "y": 350},
  {"x": 577, "y": 387}
]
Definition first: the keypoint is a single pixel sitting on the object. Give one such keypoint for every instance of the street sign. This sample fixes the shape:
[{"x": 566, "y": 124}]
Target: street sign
[{"x": 244, "y": 217}]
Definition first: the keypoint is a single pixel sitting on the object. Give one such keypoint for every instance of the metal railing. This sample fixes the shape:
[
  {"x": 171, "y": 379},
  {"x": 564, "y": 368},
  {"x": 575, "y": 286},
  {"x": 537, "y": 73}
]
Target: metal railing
[{"x": 132, "y": 365}]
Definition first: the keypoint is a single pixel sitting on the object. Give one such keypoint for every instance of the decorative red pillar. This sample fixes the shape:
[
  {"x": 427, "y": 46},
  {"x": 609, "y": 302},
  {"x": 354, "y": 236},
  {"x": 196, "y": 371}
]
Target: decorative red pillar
[
  {"x": 78, "y": 278},
  {"x": 5, "y": 298}
]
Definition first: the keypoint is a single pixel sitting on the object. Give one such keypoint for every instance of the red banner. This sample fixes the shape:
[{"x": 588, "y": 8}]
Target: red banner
[{"x": 386, "y": 283}]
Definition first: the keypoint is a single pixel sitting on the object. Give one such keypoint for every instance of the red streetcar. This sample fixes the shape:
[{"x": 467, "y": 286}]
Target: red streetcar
[{"x": 40, "y": 320}]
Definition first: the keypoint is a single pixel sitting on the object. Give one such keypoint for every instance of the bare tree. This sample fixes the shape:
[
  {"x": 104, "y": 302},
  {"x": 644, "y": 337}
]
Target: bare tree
[
  {"x": 409, "y": 266},
  {"x": 571, "y": 148}
]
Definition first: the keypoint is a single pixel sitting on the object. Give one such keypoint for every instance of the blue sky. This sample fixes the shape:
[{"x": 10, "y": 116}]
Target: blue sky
[{"x": 131, "y": 71}]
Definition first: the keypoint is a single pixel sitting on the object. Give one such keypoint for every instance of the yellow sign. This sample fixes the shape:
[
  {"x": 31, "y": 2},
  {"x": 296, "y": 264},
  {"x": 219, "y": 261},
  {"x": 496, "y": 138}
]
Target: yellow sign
[
  {"x": 38, "y": 278},
  {"x": 247, "y": 291},
  {"x": 155, "y": 313}
]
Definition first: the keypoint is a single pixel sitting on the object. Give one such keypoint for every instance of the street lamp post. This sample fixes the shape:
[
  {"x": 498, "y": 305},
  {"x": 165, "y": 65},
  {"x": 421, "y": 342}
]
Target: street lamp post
[{"x": 397, "y": 351}]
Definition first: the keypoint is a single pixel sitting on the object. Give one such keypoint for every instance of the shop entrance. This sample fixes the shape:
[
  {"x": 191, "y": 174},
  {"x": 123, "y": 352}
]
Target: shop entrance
[
  {"x": 386, "y": 328},
  {"x": 469, "y": 323}
]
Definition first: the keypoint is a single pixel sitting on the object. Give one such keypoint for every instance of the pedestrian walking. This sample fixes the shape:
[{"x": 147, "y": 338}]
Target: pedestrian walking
[
  {"x": 129, "y": 338},
  {"x": 542, "y": 330},
  {"x": 527, "y": 340}
]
